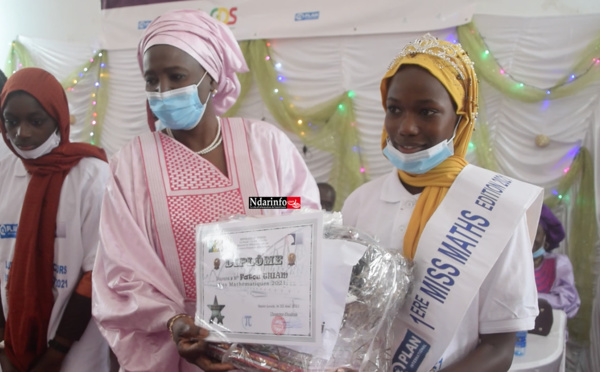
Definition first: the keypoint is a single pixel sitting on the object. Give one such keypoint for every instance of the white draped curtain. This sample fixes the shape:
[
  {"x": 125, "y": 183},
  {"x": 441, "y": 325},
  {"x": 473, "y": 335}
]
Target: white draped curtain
[{"x": 535, "y": 51}]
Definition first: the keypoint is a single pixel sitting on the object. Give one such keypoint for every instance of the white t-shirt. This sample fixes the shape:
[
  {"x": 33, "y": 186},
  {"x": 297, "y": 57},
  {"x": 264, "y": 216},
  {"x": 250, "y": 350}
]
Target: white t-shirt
[
  {"x": 507, "y": 299},
  {"x": 74, "y": 249},
  {"x": 4, "y": 150}
]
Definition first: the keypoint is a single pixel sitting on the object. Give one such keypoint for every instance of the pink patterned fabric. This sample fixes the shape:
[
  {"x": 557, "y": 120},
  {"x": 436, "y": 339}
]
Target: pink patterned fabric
[
  {"x": 188, "y": 211},
  {"x": 545, "y": 275},
  {"x": 179, "y": 164},
  {"x": 208, "y": 195},
  {"x": 230, "y": 203},
  {"x": 208, "y": 41}
]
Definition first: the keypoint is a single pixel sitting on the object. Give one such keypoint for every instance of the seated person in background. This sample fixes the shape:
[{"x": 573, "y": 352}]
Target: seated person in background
[
  {"x": 327, "y": 196},
  {"x": 553, "y": 271}
]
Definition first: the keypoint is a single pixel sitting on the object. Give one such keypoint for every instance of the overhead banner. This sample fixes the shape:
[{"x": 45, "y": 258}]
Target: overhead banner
[{"x": 123, "y": 21}]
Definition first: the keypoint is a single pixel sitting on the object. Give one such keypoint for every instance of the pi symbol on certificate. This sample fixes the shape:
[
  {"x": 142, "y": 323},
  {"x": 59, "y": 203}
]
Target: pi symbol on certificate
[{"x": 247, "y": 321}]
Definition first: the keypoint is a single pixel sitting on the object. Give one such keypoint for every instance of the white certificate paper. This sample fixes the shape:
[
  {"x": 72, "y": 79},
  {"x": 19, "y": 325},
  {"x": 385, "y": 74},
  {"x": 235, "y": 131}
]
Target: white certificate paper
[{"x": 259, "y": 279}]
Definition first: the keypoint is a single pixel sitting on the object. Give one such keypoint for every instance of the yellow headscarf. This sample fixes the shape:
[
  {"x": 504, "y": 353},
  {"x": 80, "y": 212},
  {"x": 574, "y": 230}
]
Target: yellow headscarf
[{"x": 451, "y": 65}]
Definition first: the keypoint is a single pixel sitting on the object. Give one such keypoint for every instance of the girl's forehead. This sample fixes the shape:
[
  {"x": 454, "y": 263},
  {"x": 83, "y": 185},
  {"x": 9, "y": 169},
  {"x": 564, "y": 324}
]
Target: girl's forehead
[
  {"x": 22, "y": 101},
  {"x": 416, "y": 81}
]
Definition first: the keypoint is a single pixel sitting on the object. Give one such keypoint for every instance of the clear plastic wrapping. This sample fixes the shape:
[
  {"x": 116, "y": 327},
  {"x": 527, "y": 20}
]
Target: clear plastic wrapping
[{"x": 378, "y": 286}]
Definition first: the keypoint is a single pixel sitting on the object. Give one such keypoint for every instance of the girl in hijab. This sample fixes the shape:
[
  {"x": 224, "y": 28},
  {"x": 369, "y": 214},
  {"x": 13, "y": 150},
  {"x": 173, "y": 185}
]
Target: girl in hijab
[
  {"x": 51, "y": 196},
  {"x": 198, "y": 169},
  {"x": 553, "y": 271},
  {"x": 466, "y": 229}
]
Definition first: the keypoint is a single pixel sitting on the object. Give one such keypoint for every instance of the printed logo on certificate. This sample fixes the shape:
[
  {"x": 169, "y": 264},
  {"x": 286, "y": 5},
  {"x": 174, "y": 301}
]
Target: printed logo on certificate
[{"x": 258, "y": 279}]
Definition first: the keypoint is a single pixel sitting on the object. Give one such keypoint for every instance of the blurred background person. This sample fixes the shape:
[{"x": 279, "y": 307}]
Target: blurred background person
[
  {"x": 553, "y": 271},
  {"x": 327, "y": 194}
]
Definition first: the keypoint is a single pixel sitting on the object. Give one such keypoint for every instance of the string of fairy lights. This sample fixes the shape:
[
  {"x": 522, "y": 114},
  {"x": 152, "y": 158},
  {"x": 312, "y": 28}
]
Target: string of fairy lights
[
  {"x": 99, "y": 59},
  {"x": 13, "y": 58},
  {"x": 278, "y": 91},
  {"x": 483, "y": 58},
  {"x": 487, "y": 60},
  {"x": 97, "y": 63}
]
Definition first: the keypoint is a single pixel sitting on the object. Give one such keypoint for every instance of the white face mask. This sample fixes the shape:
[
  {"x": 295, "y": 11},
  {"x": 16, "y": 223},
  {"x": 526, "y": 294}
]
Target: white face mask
[
  {"x": 421, "y": 161},
  {"x": 51, "y": 143}
]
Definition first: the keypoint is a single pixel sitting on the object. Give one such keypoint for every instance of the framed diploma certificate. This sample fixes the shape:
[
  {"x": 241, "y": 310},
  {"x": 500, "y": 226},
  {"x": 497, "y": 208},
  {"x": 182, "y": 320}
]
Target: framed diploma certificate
[{"x": 259, "y": 279}]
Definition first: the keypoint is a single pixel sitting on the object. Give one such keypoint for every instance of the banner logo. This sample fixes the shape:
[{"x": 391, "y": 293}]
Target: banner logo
[
  {"x": 274, "y": 202},
  {"x": 225, "y": 15},
  {"x": 306, "y": 16},
  {"x": 8, "y": 230},
  {"x": 142, "y": 25},
  {"x": 410, "y": 353}
]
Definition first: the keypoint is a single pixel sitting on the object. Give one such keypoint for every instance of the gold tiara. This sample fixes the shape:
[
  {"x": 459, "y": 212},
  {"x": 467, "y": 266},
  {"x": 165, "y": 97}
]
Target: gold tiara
[{"x": 429, "y": 44}]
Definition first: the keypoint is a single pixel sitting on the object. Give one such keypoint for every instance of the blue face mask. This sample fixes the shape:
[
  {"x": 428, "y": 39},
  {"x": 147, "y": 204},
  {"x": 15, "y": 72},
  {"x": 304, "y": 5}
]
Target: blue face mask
[
  {"x": 178, "y": 109},
  {"x": 540, "y": 252},
  {"x": 422, "y": 161}
]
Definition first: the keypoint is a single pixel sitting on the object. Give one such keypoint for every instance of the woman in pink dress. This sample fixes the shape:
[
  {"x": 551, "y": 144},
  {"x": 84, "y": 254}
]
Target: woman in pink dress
[{"x": 198, "y": 168}]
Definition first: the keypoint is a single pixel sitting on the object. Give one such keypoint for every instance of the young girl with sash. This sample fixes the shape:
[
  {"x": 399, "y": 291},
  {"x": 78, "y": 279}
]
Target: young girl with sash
[
  {"x": 51, "y": 195},
  {"x": 468, "y": 230},
  {"x": 199, "y": 168}
]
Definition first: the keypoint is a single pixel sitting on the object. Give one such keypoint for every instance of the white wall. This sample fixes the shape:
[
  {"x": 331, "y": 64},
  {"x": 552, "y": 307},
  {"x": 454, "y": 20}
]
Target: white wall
[{"x": 79, "y": 20}]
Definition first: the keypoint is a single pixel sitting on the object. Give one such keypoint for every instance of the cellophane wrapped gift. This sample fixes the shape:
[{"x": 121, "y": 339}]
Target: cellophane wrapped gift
[{"x": 379, "y": 284}]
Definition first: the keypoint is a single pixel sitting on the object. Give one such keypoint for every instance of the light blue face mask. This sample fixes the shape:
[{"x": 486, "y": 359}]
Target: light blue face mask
[
  {"x": 540, "y": 252},
  {"x": 178, "y": 109},
  {"x": 422, "y": 161}
]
